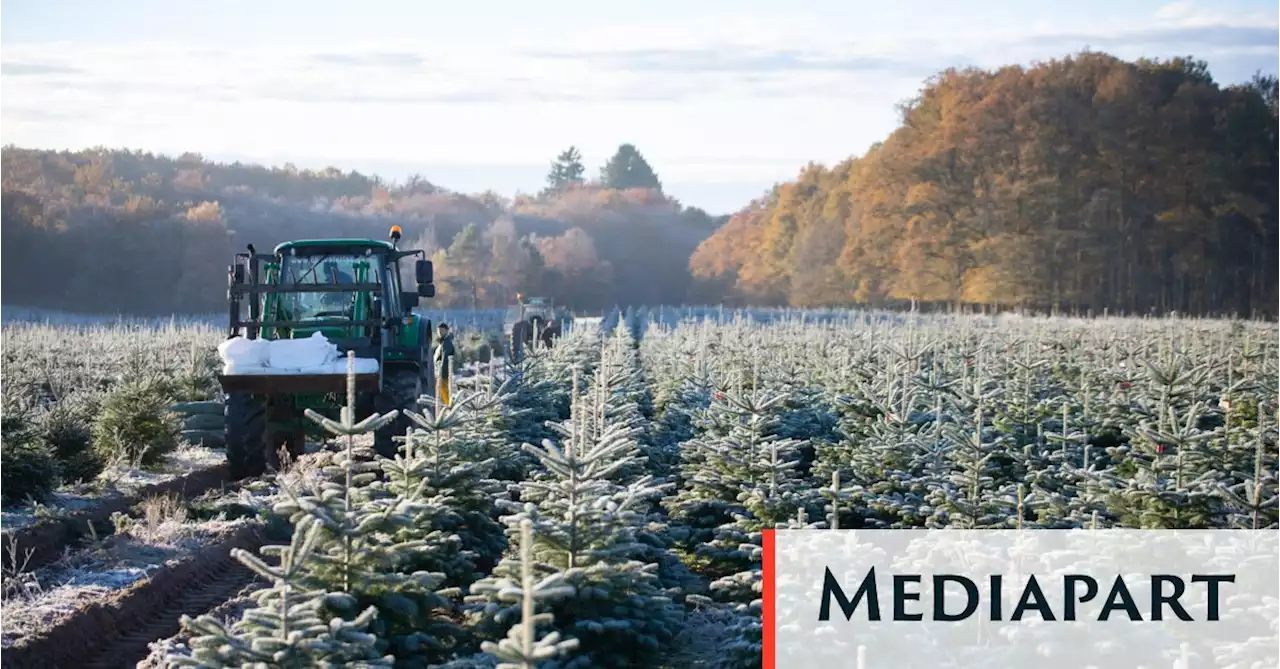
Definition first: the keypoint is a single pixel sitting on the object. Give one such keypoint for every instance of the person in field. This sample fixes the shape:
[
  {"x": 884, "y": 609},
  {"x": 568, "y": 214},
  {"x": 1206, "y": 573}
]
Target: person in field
[
  {"x": 444, "y": 356},
  {"x": 550, "y": 333}
]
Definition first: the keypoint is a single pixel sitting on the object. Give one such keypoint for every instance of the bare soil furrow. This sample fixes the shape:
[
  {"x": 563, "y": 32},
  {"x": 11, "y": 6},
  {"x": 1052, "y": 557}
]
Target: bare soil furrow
[
  {"x": 37, "y": 545},
  {"x": 115, "y": 633},
  {"x": 230, "y": 610}
]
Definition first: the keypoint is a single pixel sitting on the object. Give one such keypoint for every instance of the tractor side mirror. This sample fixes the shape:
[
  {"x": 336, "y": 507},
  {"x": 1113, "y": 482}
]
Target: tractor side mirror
[
  {"x": 426, "y": 290},
  {"x": 423, "y": 273},
  {"x": 409, "y": 299}
]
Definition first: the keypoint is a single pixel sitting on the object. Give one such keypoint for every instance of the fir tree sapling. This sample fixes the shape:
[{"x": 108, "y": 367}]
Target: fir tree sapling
[
  {"x": 592, "y": 422},
  {"x": 586, "y": 526},
  {"x": 135, "y": 423},
  {"x": 286, "y": 628},
  {"x": 683, "y": 380},
  {"x": 1254, "y": 496},
  {"x": 538, "y": 394},
  {"x": 522, "y": 649},
  {"x": 739, "y": 474},
  {"x": 483, "y": 425},
  {"x": 369, "y": 545},
  {"x": 447, "y": 461},
  {"x": 774, "y": 494},
  {"x": 29, "y": 472}
]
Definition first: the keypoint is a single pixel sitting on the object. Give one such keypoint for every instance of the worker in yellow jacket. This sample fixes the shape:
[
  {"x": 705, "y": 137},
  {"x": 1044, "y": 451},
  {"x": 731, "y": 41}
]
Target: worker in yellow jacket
[{"x": 444, "y": 356}]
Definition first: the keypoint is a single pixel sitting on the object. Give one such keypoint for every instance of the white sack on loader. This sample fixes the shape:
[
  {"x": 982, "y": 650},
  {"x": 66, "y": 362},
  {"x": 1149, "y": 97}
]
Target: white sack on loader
[
  {"x": 242, "y": 352},
  {"x": 299, "y": 354}
]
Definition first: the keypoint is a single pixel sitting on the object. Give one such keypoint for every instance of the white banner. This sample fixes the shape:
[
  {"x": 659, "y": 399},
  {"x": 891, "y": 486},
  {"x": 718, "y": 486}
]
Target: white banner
[{"x": 1008, "y": 599}]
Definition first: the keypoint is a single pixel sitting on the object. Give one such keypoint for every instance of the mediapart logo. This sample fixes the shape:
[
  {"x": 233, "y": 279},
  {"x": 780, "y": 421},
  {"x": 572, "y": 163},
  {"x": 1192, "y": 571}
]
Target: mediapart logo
[
  {"x": 1006, "y": 598},
  {"x": 1032, "y": 600}
]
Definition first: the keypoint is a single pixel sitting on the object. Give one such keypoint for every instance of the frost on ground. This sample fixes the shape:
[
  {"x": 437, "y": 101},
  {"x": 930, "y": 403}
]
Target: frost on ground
[
  {"x": 183, "y": 460},
  {"x": 117, "y": 480},
  {"x": 37, "y": 600},
  {"x": 70, "y": 499}
]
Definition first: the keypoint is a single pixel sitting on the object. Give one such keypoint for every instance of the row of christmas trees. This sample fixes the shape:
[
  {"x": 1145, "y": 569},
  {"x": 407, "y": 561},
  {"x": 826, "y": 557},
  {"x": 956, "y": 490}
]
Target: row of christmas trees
[
  {"x": 1040, "y": 424},
  {"x": 384, "y": 549},
  {"x": 661, "y": 460}
]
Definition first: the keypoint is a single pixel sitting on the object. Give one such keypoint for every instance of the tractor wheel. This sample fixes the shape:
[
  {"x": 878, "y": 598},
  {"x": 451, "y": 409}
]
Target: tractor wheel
[
  {"x": 246, "y": 435},
  {"x": 282, "y": 433},
  {"x": 401, "y": 389}
]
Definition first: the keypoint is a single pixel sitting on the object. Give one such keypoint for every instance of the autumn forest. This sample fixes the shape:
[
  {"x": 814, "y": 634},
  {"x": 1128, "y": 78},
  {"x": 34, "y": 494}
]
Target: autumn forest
[{"x": 1081, "y": 184}]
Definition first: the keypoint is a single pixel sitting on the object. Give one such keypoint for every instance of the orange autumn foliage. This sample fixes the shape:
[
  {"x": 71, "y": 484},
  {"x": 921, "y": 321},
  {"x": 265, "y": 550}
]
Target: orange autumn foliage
[{"x": 1086, "y": 182}]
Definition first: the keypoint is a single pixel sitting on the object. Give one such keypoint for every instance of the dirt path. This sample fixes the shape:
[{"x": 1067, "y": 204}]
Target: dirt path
[
  {"x": 209, "y": 592},
  {"x": 115, "y": 634}
]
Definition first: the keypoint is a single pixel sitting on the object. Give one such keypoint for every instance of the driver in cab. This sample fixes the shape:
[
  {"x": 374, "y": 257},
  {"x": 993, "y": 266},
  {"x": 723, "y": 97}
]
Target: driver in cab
[{"x": 338, "y": 304}]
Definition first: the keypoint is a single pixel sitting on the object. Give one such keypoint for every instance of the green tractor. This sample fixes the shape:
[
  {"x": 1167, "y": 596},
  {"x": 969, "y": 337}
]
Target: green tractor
[
  {"x": 349, "y": 290},
  {"x": 531, "y": 321}
]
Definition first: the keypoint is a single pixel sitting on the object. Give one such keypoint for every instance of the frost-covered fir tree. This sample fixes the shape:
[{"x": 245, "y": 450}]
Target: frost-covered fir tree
[
  {"x": 1172, "y": 486},
  {"x": 807, "y": 413},
  {"x": 611, "y": 401},
  {"x": 682, "y": 380},
  {"x": 973, "y": 495},
  {"x": 626, "y": 377},
  {"x": 587, "y": 527},
  {"x": 773, "y": 493},
  {"x": 368, "y": 539},
  {"x": 593, "y": 421},
  {"x": 446, "y": 462},
  {"x": 496, "y": 425},
  {"x": 1253, "y": 494},
  {"x": 539, "y": 389},
  {"x": 288, "y": 628},
  {"x": 739, "y": 474},
  {"x": 522, "y": 648}
]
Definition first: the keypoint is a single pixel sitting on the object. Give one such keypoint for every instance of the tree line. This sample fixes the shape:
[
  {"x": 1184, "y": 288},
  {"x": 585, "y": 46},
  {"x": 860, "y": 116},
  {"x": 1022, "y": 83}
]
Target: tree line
[
  {"x": 117, "y": 231},
  {"x": 1085, "y": 183}
]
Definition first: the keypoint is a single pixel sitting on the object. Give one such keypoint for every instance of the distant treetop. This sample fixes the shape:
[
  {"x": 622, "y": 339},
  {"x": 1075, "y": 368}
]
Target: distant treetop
[{"x": 628, "y": 169}]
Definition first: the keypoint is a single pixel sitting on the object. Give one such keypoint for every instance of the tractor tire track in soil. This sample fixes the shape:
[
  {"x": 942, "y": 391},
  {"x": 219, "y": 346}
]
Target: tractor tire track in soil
[
  {"x": 116, "y": 633},
  {"x": 233, "y": 609},
  {"x": 37, "y": 545}
]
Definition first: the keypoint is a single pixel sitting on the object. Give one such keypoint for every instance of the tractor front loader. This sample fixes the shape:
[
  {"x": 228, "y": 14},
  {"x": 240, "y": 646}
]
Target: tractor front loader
[{"x": 349, "y": 290}]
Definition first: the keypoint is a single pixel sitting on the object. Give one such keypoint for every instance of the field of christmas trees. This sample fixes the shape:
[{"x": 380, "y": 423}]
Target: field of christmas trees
[{"x": 599, "y": 504}]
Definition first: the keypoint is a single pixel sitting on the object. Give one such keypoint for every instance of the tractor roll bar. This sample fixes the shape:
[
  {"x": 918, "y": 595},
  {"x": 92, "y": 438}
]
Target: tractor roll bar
[
  {"x": 328, "y": 323},
  {"x": 246, "y": 288}
]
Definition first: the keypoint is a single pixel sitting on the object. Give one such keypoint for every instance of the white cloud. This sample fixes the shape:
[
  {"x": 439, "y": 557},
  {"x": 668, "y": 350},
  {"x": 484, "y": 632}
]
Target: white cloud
[
  {"x": 1189, "y": 13},
  {"x": 742, "y": 100},
  {"x": 1179, "y": 12}
]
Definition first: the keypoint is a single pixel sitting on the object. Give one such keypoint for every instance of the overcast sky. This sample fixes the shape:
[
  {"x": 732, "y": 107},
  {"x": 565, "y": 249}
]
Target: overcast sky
[{"x": 724, "y": 98}]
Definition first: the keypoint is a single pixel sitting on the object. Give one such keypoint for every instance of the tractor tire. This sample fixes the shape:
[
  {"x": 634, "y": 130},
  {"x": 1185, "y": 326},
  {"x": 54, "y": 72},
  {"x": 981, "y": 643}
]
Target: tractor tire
[
  {"x": 246, "y": 435},
  {"x": 401, "y": 389},
  {"x": 282, "y": 433}
]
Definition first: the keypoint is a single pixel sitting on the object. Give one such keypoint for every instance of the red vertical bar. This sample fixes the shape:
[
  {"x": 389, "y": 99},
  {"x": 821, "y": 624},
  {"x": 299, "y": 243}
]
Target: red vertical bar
[{"x": 768, "y": 628}]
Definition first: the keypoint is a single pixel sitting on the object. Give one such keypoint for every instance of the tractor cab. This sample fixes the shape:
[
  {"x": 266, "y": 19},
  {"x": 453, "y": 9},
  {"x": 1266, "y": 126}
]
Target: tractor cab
[
  {"x": 360, "y": 295},
  {"x": 347, "y": 289},
  {"x": 530, "y": 309}
]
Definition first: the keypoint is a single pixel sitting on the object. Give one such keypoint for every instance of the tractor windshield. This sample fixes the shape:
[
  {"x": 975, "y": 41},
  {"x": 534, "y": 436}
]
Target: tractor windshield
[{"x": 322, "y": 270}]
